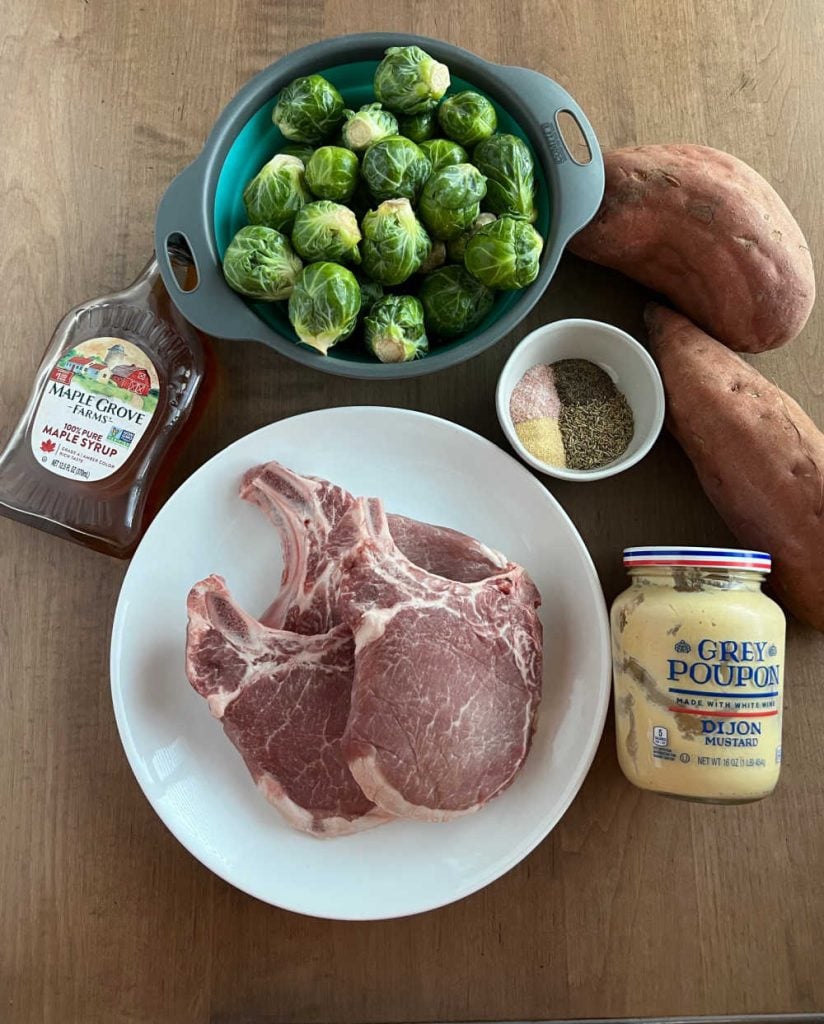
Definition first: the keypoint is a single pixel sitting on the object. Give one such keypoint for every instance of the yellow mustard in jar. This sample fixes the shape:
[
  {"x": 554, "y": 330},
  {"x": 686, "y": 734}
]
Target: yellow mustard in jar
[{"x": 698, "y": 671}]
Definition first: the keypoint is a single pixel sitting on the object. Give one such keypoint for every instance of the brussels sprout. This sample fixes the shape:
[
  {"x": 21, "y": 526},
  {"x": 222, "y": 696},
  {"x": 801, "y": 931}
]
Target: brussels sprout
[
  {"x": 451, "y": 200},
  {"x": 435, "y": 259},
  {"x": 300, "y": 150},
  {"x": 324, "y": 305},
  {"x": 467, "y": 117},
  {"x": 454, "y": 301},
  {"x": 259, "y": 262},
  {"x": 443, "y": 152},
  {"x": 394, "y": 243},
  {"x": 510, "y": 175},
  {"x": 332, "y": 173},
  {"x": 276, "y": 193},
  {"x": 370, "y": 292},
  {"x": 395, "y": 168},
  {"x": 456, "y": 247},
  {"x": 369, "y": 124},
  {"x": 418, "y": 127},
  {"x": 505, "y": 254},
  {"x": 409, "y": 81},
  {"x": 308, "y": 109},
  {"x": 394, "y": 329},
  {"x": 326, "y": 231}
]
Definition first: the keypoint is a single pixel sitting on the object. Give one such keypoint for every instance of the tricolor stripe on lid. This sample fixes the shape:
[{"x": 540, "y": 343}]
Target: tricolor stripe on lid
[{"x": 707, "y": 558}]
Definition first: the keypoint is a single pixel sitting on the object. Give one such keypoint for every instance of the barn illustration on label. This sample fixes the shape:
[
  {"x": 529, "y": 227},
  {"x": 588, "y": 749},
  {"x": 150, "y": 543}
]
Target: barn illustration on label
[{"x": 113, "y": 367}]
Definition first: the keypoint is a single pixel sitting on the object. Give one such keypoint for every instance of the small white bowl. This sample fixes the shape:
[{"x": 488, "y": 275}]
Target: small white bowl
[{"x": 628, "y": 363}]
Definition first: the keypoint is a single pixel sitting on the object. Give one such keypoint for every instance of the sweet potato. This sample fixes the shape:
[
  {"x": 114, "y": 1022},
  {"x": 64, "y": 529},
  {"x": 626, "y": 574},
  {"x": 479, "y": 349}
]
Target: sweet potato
[
  {"x": 707, "y": 231},
  {"x": 758, "y": 455}
]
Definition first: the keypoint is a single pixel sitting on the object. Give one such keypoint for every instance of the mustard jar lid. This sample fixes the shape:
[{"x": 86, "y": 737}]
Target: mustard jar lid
[{"x": 701, "y": 558}]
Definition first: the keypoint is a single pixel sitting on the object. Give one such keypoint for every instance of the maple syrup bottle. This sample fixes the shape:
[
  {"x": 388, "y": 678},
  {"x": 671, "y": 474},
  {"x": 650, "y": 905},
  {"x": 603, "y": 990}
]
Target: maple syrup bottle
[{"x": 116, "y": 385}]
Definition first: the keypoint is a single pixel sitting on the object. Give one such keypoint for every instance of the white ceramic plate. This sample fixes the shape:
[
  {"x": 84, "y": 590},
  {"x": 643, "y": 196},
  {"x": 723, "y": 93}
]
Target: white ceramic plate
[{"x": 196, "y": 781}]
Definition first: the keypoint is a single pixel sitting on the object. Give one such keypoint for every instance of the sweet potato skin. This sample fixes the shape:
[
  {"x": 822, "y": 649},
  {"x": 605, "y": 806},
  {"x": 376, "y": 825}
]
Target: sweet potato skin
[
  {"x": 707, "y": 231},
  {"x": 759, "y": 457}
]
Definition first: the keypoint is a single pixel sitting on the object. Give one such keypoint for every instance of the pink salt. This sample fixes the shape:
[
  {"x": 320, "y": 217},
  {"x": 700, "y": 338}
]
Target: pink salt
[{"x": 534, "y": 396}]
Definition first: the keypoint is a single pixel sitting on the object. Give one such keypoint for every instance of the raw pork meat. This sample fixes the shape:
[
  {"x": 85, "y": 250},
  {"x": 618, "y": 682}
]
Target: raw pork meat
[
  {"x": 445, "y": 552},
  {"x": 306, "y": 510},
  {"x": 283, "y": 695},
  {"x": 283, "y": 700},
  {"x": 447, "y": 675}
]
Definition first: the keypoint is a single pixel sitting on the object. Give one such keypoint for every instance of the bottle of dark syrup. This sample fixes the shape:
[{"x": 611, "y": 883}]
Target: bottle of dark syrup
[{"x": 116, "y": 385}]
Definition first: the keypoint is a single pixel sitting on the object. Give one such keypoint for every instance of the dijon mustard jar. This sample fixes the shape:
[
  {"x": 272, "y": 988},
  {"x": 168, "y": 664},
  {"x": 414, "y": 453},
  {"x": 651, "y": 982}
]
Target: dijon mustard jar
[{"x": 698, "y": 671}]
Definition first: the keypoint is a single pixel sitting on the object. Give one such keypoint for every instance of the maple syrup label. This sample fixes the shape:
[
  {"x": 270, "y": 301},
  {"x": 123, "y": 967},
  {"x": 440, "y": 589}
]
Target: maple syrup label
[{"x": 98, "y": 402}]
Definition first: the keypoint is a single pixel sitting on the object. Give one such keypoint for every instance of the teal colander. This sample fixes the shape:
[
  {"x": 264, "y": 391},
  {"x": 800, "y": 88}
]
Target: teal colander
[{"x": 204, "y": 203}]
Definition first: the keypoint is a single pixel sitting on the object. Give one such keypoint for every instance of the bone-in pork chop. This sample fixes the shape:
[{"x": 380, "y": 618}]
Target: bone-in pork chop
[
  {"x": 283, "y": 700},
  {"x": 447, "y": 675},
  {"x": 305, "y": 510}
]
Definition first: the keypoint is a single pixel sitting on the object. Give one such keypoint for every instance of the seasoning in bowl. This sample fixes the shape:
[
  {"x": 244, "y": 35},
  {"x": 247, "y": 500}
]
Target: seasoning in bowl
[{"x": 570, "y": 414}]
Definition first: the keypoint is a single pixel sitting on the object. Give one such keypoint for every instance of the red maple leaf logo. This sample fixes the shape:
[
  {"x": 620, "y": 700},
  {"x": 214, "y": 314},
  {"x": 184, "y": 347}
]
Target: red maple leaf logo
[{"x": 47, "y": 446}]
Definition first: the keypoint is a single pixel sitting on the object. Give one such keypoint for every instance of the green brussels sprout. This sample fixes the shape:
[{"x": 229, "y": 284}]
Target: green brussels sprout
[
  {"x": 324, "y": 305},
  {"x": 332, "y": 173},
  {"x": 259, "y": 262},
  {"x": 395, "y": 244},
  {"x": 454, "y": 301},
  {"x": 300, "y": 150},
  {"x": 395, "y": 331},
  {"x": 467, "y": 117},
  {"x": 326, "y": 231},
  {"x": 451, "y": 200},
  {"x": 409, "y": 81},
  {"x": 395, "y": 168},
  {"x": 276, "y": 193},
  {"x": 507, "y": 164},
  {"x": 308, "y": 109},
  {"x": 370, "y": 291},
  {"x": 443, "y": 152},
  {"x": 369, "y": 124},
  {"x": 505, "y": 254},
  {"x": 456, "y": 247},
  {"x": 435, "y": 259},
  {"x": 417, "y": 127}
]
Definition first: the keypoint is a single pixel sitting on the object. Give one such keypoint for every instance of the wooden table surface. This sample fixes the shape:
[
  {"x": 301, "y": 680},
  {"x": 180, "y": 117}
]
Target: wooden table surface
[{"x": 634, "y": 905}]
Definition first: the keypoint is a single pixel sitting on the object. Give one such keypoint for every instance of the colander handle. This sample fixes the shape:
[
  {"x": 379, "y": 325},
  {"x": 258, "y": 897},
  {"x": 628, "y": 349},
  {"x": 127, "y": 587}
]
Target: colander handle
[
  {"x": 582, "y": 184},
  {"x": 211, "y": 305}
]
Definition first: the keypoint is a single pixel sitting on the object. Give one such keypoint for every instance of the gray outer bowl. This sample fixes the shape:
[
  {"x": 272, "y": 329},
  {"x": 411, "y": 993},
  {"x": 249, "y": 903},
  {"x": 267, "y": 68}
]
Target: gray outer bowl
[{"x": 531, "y": 98}]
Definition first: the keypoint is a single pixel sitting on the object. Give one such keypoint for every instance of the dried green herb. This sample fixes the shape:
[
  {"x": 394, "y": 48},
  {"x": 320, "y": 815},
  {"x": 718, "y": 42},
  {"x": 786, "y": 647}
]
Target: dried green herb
[
  {"x": 595, "y": 420},
  {"x": 596, "y": 432}
]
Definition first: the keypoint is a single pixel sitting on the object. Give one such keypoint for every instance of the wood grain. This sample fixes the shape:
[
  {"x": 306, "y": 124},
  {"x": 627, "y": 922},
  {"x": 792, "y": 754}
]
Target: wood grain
[{"x": 634, "y": 905}]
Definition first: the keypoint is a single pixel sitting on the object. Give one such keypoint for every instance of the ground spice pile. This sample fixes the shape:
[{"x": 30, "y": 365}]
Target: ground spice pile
[{"x": 570, "y": 414}]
